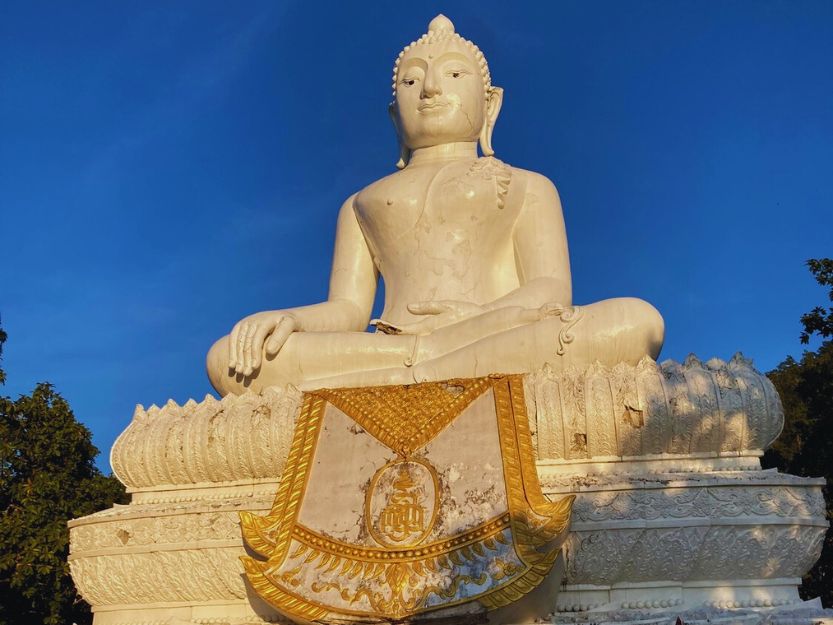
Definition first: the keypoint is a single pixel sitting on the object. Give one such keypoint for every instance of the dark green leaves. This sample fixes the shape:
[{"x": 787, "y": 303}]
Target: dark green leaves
[
  {"x": 47, "y": 476},
  {"x": 805, "y": 447}
]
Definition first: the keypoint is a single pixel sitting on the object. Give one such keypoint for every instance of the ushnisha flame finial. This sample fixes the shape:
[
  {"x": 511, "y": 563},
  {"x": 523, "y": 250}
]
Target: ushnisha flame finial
[
  {"x": 441, "y": 24},
  {"x": 439, "y": 29}
]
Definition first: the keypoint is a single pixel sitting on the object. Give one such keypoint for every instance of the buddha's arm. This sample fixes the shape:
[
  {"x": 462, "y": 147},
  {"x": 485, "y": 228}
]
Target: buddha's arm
[
  {"x": 540, "y": 240},
  {"x": 353, "y": 281},
  {"x": 352, "y": 289}
]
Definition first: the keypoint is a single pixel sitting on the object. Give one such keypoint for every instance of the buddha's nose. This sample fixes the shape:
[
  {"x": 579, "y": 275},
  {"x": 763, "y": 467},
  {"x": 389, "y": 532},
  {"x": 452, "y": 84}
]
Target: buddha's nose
[{"x": 431, "y": 86}]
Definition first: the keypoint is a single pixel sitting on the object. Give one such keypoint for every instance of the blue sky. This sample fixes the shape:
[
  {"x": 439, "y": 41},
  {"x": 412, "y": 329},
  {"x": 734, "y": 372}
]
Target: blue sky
[{"x": 167, "y": 168}]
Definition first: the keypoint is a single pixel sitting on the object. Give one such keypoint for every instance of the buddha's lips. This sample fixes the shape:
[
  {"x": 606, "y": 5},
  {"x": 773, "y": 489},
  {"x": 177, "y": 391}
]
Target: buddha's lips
[{"x": 432, "y": 105}]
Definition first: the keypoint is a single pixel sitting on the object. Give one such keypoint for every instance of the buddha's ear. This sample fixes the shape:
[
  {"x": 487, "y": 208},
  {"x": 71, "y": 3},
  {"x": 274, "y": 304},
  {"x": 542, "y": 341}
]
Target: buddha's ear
[
  {"x": 404, "y": 151},
  {"x": 494, "y": 100}
]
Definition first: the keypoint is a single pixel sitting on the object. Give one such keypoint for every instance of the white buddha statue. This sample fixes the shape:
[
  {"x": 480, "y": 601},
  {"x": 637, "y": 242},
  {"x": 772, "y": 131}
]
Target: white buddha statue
[{"x": 473, "y": 253}]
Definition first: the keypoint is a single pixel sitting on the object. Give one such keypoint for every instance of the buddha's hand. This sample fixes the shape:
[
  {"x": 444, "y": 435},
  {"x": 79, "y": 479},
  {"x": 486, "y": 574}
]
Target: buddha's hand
[
  {"x": 256, "y": 334},
  {"x": 439, "y": 314}
]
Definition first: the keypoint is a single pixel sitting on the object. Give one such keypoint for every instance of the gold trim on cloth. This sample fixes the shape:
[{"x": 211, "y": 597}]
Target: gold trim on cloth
[
  {"x": 311, "y": 576},
  {"x": 406, "y": 418}
]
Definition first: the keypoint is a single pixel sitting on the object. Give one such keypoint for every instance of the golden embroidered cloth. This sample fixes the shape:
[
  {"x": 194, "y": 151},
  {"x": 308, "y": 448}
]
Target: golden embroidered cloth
[{"x": 400, "y": 500}]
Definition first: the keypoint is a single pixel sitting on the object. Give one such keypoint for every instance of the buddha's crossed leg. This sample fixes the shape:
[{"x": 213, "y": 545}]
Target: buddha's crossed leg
[{"x": 508, "y": 340}]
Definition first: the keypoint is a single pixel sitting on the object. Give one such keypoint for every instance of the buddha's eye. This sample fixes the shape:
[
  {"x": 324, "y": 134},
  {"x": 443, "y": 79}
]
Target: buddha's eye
[
  {"x": 456, "y": 73},
  {"x": 409, "y": 82}
]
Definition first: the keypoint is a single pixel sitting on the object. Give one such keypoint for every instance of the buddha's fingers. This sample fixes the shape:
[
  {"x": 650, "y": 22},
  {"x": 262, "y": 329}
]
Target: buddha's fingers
[
  {"x": 232, "y": 343},
  {"x": 258, "y": 339},
  {"x": 285, "y": 327},
  {"x": 429, "y": 308},
  {"x": 240, "y": 361},
  {"x": 247, "y": 348}
]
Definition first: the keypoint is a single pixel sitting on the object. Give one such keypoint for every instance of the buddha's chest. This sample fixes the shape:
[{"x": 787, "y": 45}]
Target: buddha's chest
[{"x": 474, "y": 201}]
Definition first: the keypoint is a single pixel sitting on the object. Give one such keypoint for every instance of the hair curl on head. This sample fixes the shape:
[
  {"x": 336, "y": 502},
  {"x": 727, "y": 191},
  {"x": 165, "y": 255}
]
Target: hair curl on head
[{"x": 440, "y": 29}]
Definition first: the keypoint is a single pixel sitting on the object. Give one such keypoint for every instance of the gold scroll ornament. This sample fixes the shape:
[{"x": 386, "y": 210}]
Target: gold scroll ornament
[{"x": 409, "y": 556}]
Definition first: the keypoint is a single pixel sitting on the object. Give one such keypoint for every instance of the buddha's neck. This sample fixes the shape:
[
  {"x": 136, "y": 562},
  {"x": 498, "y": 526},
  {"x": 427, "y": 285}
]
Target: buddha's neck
[{"x": 444, "y": 152}]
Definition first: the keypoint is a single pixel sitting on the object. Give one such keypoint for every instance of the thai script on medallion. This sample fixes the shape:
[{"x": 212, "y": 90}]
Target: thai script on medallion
[
  {"x": 403, "y": 515},
  {"x": 401, "y": 503}
]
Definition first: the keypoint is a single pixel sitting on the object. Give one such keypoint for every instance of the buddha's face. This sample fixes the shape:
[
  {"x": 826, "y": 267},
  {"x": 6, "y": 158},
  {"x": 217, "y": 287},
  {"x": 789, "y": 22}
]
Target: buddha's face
[{"x": 440, "y": 97}]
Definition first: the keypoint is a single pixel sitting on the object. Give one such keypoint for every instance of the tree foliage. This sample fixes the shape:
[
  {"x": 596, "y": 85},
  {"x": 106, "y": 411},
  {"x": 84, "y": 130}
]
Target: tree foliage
[
  {"x": 805, "y": 447},
  {"x": 47, "y": 476},
  {"x": 2, "y": 340},
  {"x": 820, "y": 321}
]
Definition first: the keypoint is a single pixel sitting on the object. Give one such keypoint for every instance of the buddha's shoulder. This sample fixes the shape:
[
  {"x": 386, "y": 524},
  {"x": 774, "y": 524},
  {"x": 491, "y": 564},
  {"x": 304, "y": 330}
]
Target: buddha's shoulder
[
  {"x": 378, "y": 188},
  {"x": 490, "y": 166},
  {"x": 533, "y": 180}
]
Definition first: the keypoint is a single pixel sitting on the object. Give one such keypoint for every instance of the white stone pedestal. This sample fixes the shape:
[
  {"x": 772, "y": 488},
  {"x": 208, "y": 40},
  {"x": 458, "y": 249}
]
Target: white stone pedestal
[{"x": 673, "y": 515}]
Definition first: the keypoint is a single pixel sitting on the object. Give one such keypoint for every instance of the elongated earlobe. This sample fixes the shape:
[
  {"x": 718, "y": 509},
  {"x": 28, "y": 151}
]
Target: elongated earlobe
[
  {"x": 404, "y": 150},
  {"x": 404, "y": 157},
  {"x": 494, "y": 100}
]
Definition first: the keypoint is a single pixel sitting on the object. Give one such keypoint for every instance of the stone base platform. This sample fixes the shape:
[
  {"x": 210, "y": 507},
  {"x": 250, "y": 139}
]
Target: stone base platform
[
  {"x": 685, "y": 541},
  {"x": 713, "y": 539},
  {"x": 798, "y": 613},
  {"x": 673, "y": 514}
]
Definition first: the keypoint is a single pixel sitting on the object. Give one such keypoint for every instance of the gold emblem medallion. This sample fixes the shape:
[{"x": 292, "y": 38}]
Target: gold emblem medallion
[{"x": 402, "y": 502}]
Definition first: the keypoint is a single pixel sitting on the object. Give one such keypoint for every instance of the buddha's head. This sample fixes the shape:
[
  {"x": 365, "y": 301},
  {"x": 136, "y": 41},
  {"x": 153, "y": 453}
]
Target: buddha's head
[{"x": 443, "y": 92}]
